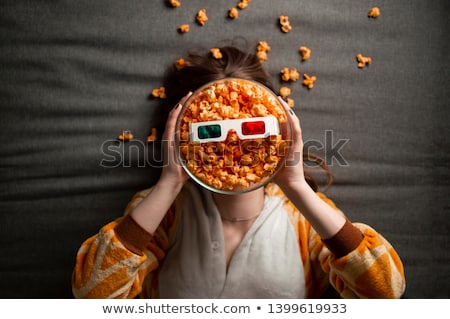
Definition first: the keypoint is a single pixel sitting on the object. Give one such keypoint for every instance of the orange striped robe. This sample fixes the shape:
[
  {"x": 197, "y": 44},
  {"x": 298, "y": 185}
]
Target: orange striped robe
[{"x": 106, "y": 268}]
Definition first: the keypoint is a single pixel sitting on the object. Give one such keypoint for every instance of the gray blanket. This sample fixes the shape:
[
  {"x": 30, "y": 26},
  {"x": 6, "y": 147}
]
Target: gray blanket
[{"x": 75, "y": 74}]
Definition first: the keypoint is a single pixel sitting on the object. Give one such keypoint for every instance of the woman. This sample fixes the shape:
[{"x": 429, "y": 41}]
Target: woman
[{"x": 284, "y": 240}]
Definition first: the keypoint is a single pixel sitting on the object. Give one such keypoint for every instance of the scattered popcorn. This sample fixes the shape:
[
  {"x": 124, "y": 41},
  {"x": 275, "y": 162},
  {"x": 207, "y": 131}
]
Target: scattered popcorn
[
  {"x": 263, "y": 46},
  {"x": 160, "y": 93},
  {"x": 184, "y": 28},
  {"x": 175, "y": 3},
  {"x": 289, "y": 75},
  {"x": 374, "y": 12},
  {"x": 285, "y": 92},
  {"x": 126, "y": 136},
  {"x": 262, "y": 56},
  {"x": 285, "y": 24},
  {"x": 294, "y": 75},
  {"x": 305, "y": 52},
  {"x": 233, "y": 13},
  {"x": 232, "y": 164},
  {"x": 308, "y": 81},
  {"x": 215, "y": 52},
  {"x": 261, "y": 51},
  {"x": 290, "y": 102},
  {"x": 243, "y": 4},
  {"x": 285, "y": 74},
  {"x": 153, "y": 137},
  {"x": 202, "y": 17},
  {"x": 181, "y": 63},
  {"x": 363, "y": 61}
]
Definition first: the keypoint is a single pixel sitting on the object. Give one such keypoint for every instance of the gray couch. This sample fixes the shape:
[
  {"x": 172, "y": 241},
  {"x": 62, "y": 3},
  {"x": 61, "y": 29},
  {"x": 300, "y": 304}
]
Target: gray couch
[{"x": 75, "y": 74}]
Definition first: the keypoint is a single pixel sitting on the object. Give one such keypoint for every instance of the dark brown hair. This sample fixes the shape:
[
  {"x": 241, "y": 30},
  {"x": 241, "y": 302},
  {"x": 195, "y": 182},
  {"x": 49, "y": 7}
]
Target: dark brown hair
[{"x": 201, "y": 68}]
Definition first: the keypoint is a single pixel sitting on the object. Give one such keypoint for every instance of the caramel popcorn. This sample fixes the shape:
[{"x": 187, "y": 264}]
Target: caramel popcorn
[
  {"x": 374, "y": 12},
  {"x": 202, "y": 17},
  {"x": 261, "y": 51},
  {"x": 309, "y": 81},
  {"x": 232, "y": 164},
  {"x": 126, "y": 136},
  {"x": 285, "y": 24},
  {"x": 181, "y": 63},
  {"x": 233, "y": 13},
  {"x": 290, "y": 102},
  {"x": 285, "y": 92},
  {"x": 263, "y": 46},
  {"x": 159, "y": 93},
  {"x": 262, "y": 56},
  {"x": 285, "y": 74},
  {"x": 363, "y": 61},
  {"x": 290, "y": 75},
  {"x": 152, "y": 137},
  {"x": 175, "y": 3},
  {"x": 305, "y": 53},
  {"x": 215, "y": 52},
  {"x": 243, "y": 4},
  {"x": 184, "y": 28}
]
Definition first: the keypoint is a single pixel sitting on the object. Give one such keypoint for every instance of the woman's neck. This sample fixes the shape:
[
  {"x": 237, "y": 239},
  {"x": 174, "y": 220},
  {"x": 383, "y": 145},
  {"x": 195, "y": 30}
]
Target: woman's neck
[{"x": 240, "y": 207}]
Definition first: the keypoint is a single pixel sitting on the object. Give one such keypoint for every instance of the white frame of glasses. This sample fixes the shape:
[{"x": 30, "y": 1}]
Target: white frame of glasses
[{"x": 271, "y": 124}]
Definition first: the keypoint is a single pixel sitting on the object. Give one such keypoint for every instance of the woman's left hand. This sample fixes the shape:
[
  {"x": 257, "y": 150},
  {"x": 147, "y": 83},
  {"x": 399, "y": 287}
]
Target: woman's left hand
[{"x": 292, "y": 174}]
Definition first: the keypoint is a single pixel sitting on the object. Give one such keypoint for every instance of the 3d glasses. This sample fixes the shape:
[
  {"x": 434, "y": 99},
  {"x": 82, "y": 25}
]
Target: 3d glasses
[{"x": 248, "y": 128}]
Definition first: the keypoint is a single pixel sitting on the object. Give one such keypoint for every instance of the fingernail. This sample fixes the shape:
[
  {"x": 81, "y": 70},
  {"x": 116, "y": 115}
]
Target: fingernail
[
  {"x": 178, "y": 105},
  {"x": 292, "y": 112}
]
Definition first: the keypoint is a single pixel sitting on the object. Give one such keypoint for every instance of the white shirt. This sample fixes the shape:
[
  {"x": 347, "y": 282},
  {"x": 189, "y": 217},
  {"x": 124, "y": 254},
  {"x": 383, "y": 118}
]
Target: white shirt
[{"x": 266, "y": 264}]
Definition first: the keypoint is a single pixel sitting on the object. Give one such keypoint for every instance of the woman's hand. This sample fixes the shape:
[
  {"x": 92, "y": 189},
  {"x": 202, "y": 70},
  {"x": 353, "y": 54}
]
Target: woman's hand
[
  {"x": 152, "y": 209},
  {"x": 291, "y": 179},
  {"x": 292, "y": 174},
  {"x": 172, "y": 173}
]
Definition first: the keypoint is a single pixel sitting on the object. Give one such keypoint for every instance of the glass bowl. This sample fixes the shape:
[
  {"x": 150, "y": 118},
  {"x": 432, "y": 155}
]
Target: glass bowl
[{"x": 232, "y": 136}]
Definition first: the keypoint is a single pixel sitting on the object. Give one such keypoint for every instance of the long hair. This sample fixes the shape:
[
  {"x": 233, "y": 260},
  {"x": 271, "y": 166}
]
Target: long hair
[{"x": 201, "y": 67}]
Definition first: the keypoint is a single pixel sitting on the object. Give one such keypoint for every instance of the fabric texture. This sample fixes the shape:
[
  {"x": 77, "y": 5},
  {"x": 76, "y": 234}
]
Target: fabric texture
[
  {"x": 75, "y": 74},
  {"x": 186, "y": 257}
]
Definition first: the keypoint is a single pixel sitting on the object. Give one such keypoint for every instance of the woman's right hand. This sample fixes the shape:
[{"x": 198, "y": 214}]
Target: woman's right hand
[
  {"x": 152, "y": 209},
  {"x": 172, "y": 173}
]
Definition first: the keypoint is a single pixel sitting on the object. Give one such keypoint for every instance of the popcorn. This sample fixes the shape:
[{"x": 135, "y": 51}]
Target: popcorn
[
  {"x": 232, "y": 164},
  {"x": 262, "y": 56},
  {"x": 233, "y": 13},
  {"x": 215, "y": 52},
  {"x": 263, "y": 46},
  {"x": 184, "y": 28},
  {"x": 363, "y": 61},
  {"x": 285, "y": 24},
  {"x": 159, "y": 93},
  {"x": 181, "y": 63},
  {"x": 202, "y": 17},
  {"x": 261, "y": 51},
  {"x": 125, "y": 136},
  {"x": 290, "y": 102},
  {"x": 290, "y": 75},
  {"x": 175, "y": 3},
  {"x": 305, "y": 52},
  {"x": 374, "y": 12},
  {"x": 243, "y": 4},
  {"x": 309, "y": 81},
  {"x": 153, "y": 137},
  {"x": 285, "y": 92}
]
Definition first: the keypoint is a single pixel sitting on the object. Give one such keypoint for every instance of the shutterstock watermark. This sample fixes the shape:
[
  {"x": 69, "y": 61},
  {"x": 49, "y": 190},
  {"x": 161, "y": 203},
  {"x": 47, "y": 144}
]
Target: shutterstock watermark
[
  {"x": 137, "y": 153},
  {"x": 333, "y": 151}
]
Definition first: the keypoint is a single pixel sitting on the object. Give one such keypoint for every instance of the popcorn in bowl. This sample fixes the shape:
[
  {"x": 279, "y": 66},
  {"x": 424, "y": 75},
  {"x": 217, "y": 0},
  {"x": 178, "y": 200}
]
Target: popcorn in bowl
[{"x": 232, "y": 135}]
